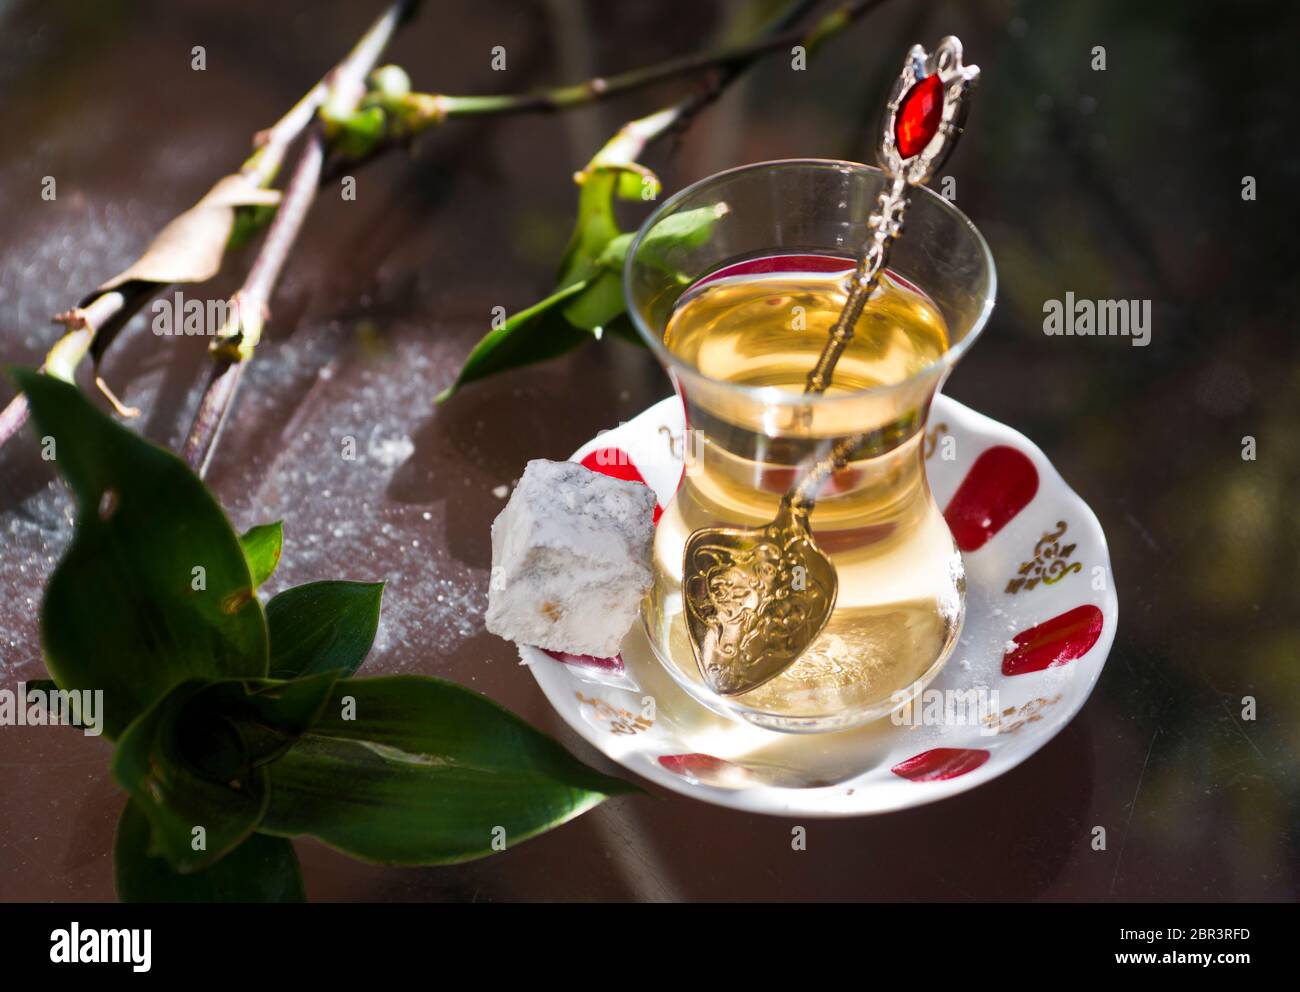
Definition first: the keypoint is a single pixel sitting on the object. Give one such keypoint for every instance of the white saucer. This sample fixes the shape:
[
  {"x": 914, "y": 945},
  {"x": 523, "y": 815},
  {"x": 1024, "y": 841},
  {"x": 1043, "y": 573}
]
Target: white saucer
[{"x": 1041, "y": 617}]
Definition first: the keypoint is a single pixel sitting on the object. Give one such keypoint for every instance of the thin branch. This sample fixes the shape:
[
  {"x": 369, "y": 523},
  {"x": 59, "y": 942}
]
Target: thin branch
[
  {"x": 273, "y": 143},
  {"x": 633, "y": 137},
  {"x": 830, "y": 25},
  {"x": 343, "y": 88},
  {"x": 250, "y": 306},
  {"x": 103, "y": 316},
  {"x": 425, "y": 110},
  {"x": 728, "y": 62},
  {"x": 13, "y": 416}
]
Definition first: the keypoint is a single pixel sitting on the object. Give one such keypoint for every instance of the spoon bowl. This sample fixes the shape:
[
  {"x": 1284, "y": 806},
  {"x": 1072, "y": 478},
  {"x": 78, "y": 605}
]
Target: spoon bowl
[{"x": 755, "y": 598}]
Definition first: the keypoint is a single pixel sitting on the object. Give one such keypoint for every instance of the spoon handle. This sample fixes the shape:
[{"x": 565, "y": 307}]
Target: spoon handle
[
  {"x": 923, "y": 119},
  {"x": 885, "y": 224},
  {"x": 803, "y": 496}
]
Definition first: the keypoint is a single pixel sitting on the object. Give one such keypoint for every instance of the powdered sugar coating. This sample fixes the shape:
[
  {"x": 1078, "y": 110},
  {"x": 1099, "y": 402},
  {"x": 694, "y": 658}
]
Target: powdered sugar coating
[{"x": 570, "y": 559}]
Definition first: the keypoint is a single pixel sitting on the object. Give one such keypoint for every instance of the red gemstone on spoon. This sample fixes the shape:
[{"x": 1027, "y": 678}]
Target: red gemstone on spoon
[{"x": 918, "y": 116}]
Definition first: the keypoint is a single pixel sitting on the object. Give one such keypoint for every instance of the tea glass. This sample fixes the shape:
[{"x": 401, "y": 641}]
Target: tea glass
[{"x": 901, "y": 598}]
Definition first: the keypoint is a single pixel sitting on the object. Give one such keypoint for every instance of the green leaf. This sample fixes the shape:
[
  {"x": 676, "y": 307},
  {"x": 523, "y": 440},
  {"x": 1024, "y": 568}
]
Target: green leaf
[
  {"x": 591, "y": 270},
  {"x": 262, "y": 545},
  {"x": 688, "y": 229},
  {"x": 530, "y": 336},
  {"x": 249, "y": 222},
  {"x": 269, "y": 714},
  {"x": 423, "y": 774},
  {"x": 195, "y": 764},
  {"x": 601, "y": 303},
  {"x": 261, "y": 869},
  {"x": 597, "y": 247},
  {"x": 598, "y": 305},
  {"x": 614, "y": 253},
  {"x": 172, "y": 779},
  {"x": 635, "y": 182},
  {"x": 322, "y": 627},
  {"x": 596, "y": 226},
  {"x": 356, "y": 133},
  {"x": 154, "y": 587}
]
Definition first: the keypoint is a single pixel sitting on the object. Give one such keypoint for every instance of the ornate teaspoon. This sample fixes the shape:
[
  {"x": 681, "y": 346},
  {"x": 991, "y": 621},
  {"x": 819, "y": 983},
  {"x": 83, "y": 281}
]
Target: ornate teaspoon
[{"x": 757, "y": 597}]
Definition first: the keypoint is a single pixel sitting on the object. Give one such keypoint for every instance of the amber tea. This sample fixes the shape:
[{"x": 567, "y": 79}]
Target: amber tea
[
  {"x": 763, "y": 323},
  {"x": 767, "y": 329}
]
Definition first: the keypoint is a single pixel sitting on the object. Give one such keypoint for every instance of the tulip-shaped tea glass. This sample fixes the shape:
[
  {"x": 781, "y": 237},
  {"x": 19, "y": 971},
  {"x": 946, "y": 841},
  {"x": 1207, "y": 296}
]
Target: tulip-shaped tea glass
[{"x": 734, "y": 283}]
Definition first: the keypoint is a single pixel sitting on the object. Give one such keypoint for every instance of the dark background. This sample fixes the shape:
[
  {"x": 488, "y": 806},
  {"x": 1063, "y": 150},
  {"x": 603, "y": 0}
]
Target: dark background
[{"x": 1117, "y": 184}]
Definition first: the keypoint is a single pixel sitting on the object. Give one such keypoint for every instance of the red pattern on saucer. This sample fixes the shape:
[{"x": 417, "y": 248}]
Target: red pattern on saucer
[
  {"x": 940, "y": 763},
  {"x": 1054, "y": 642},
  {"x": 614, "y": 664},
  {"x": 998, "y": 486}
]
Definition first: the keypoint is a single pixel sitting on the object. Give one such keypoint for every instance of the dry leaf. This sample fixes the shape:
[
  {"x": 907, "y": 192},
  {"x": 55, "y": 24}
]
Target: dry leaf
[{"x": 189, "y": 249}]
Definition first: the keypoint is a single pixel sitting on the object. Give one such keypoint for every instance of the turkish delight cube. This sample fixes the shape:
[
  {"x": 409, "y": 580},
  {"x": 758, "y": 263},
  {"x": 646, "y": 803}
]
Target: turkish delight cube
[{"x": 570, "y": 559}]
